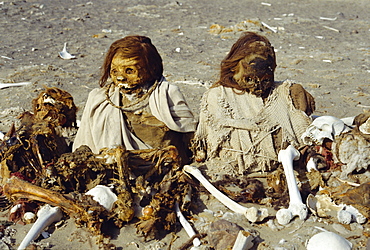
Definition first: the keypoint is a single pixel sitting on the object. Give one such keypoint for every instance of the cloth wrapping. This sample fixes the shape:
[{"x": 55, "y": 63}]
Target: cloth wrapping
[
  {"x": 103, "y": 125},
  {"x": 237, "y": 128}
]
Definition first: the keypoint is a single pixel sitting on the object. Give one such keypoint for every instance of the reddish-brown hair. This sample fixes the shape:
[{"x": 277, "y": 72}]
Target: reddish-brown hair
[
  {"x": 240, "y": 50},
  {"x": 139, "y": 48}
]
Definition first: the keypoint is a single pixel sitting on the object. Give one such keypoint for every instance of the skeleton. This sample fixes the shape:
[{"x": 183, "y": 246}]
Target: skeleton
[{"x": 247, "y": 117}]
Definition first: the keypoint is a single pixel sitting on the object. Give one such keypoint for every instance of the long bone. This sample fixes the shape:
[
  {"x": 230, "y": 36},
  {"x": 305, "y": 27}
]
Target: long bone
[
  {"x": 186, "y": 225},
  {"x": 17, "y": 188},
  {"x": 83, "y": 213},
  {"x": 46, "y": 215},
  {"x": 252, "y": 214},
  {"x": 296, "y": 206},
  {"x": 243, "y": 241}
]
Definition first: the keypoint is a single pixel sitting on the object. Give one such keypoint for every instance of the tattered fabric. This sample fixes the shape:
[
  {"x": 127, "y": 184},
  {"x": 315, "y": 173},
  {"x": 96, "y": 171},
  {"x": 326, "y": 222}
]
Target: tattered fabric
[{"x": 237, "y": 128}]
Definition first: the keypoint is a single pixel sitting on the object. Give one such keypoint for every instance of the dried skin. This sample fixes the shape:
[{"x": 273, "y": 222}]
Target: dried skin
[
  {"x": 248, "y": 190},
  {"x": 37, "y": 142},
  {"x": 315, "y": 179},
  {"x": 78, "y": 171},
  {"x": 56, "y": 106},
  {"x": 358, "y": 197},
  {"x": 302, "y": 100}
]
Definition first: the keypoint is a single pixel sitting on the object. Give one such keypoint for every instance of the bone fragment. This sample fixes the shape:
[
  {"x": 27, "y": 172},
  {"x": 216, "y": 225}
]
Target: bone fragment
[
  {"x": 46, "y": 215},
  {"x": 29, "y": 217},
  {"x": 18, "y": 84},
  {"x": 365, "y": 127},
  {"x": 186, "y": 225},
  {"x": 311, "y": 164},
  {"x": 296, "y": 206},
  {"x": 64, "y": 54},
  {"x": 328, "y": 241},
  {"x": 103, "y": 195},
  {"x": 252, "y": 214},
  {"x": 350, "y": 214},
  {"x": 243, "y": 241}
]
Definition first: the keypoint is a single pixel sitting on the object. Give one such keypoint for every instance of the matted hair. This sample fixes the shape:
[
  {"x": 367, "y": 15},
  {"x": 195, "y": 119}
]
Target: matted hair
[
  {"x": 240, "y": 50},
  {"x": 139, "y": 48}
]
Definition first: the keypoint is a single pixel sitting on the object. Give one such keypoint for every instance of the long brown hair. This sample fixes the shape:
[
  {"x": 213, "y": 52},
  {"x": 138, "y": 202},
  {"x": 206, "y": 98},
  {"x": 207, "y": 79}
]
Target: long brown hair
[
  {"x": 240, "y": 50},
  {"x": 139, "y": 48}
]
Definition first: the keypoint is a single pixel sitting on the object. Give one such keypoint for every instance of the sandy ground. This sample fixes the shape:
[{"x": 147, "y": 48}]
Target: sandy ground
[{"x": 322, "y": 44}]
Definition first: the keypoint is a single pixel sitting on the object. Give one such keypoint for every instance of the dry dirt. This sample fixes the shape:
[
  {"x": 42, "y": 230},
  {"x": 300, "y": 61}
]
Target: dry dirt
[{"x": 322, "y": 44}]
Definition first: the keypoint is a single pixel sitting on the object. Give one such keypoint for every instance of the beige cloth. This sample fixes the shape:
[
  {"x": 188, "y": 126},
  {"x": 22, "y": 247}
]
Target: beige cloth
[
  {"x": 237, "y": 128},
  {"x": 103, "y": 125}
]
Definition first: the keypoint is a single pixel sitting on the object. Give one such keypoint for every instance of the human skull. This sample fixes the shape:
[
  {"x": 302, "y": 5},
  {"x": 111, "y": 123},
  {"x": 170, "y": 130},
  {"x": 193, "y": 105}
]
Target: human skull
[
  {"x": 323, "y": 127},
  {"x": 255, "y": 72},
  {"x": 126, "y": 72}
]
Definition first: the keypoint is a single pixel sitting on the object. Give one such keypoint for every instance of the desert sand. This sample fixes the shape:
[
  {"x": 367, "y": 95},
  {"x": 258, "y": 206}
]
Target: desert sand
[{"x": 321, "y": 44}]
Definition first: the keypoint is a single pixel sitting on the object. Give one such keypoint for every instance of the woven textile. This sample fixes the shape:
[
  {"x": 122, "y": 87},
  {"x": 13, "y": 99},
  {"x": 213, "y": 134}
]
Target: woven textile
[{"x": 237, "y": 128}]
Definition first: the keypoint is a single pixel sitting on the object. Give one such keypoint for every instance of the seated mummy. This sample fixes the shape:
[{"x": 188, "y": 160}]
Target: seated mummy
[
  {"x": 135, "y": 106},
  {"x": 247, "y": 117}
]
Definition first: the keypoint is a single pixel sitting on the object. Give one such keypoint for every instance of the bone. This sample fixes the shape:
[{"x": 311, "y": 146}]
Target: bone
[
  {"x": 186, "y": 225},
  {"x": 322, "y": 205},
  {"x": 243, "y": 241},
  {"x": 296, "y": 206},
  {"x": 17, "y": 188},
  {"x": 29, "y": 217},
  {"x": 64, "y": 53},
  {"x": 323, "y": 127},
  {"x": 328, "y": 241},
  {"x": 18, "y": 84},
  {"x": 311, "y": 164},
  {"x": 365, "y": 127},
  {"x": 104, "y": 195},
  {"x": 46, "y": 216},
  {"x": 350, "y": 214},
  {"x": 252, "y": 214}
]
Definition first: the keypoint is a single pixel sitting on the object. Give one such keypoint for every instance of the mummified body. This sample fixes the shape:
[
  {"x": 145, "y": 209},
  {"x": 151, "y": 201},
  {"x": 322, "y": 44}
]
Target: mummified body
[
  {"x": 40, "y": 138},
  {"x": 247, "y": 117},
  {"x": 37, "y": 153},
  {"x": 137, "y": 108}
]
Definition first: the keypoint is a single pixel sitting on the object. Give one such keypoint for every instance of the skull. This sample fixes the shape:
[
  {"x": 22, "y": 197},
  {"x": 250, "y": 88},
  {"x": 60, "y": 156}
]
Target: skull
[
  {"x": 255, "y": 72},
  {"x": 126, "y": 72},
  {"x": 323, "y": 127}
]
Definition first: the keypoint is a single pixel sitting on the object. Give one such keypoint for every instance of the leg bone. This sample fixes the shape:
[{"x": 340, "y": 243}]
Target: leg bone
[
  {"x": 46, "y": 215},
  {"x": 296, "y": 206},
  {"x": 252, "y": 214}
]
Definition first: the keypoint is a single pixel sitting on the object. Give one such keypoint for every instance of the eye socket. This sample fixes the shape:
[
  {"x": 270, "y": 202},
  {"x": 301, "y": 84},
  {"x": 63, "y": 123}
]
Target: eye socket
[
  {"x": 113, "y": 71},
  {"x": 129, "y": 71}
]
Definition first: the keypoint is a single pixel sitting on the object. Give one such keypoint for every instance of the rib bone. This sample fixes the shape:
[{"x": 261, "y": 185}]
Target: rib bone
[
  {"x": 252, "y": 214},
  {"x": 296, "y": 206},
  {"x": 46, "y": 215}
]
